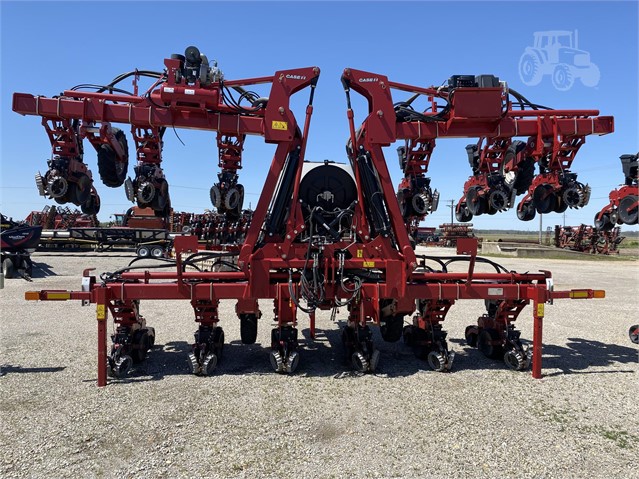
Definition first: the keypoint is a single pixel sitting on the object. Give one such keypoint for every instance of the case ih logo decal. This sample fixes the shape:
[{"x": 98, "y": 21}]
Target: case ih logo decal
[
  {"x": 296, "y": 77},
  {"x": 368, "y": 80}
]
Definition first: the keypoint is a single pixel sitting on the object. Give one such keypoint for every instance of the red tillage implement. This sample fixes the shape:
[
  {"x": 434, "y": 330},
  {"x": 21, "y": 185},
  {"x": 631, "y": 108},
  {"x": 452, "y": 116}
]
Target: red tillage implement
[{"x": 323, "y": 235}]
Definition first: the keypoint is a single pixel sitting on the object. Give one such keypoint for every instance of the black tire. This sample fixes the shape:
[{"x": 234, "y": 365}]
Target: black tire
[
  {"x": 92, "y": 206},
  {"x": 248, "y": 328},
  {"x": 471, "y": 336},
  {"x": 633, "y": 333},
  {"x": 492, "y": 351},
  {"x": 392, "y": 328},
  {"x": 143, "y": 251},
  {"x": 476, "y": 204},
  {"x": 157, "y": 252},
  {"x": 81, "y": 190},
  {"x": 526, "y": 212},
  {"x": 525, "y": 176},
  {"x": 140, "y": 338},
  {"x": 603, "y": 223},
  {"x": 560, "y": 206},
  {"x": 544, "y": 199},
  {"x": 8, "y": 268},
  {"x": 462, "y": 214},
  {"x": 112, "y": 172},
  {"x": 161, "y": 198},
  {"x": 216, "y": 196},
  {"x": 627, "y": 213}
]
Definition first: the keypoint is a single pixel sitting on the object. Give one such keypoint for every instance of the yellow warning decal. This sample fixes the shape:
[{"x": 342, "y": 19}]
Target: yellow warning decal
[
  {"x": 280, "y": 125},
  {"x": 100, "y": 309},
  {"x": 369, "y": 264},
  {"x": 360, "y": 253},
  {"x": 540, "y": 309}
]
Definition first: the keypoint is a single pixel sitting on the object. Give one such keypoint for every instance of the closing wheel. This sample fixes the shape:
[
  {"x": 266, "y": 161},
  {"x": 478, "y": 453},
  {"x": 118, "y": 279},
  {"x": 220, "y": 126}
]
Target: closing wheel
[
  {"x": 544, "y": 199},
  {"x": 58, "y": 187},
  {"x": 209, "y": 364},
  {"x": 8, "y": 268},
  {"x": 471, "y": 335},
  {"x": 497, "y": 200},
  {"x": 276, "y": 361},
  {"x": 92, "y": 206},
  {"x": 232, "y": 199},
  {"x": 146, "y": 193},
  {"x": 421, "y": 203},
  {"x": 218, "y": 342},
  {"x": 628, "y": 211},
  {"x": 161, "y": 199},
  {"x": 561, "y": 205},
  {"x": 193, "y": 364},
  {"x": 141, "y": 344},
  {"x": 359, "y": 362},
  {"x": 248, "y": 328},
  {"x": 526, "y": 212},
  {"x": 462, "y": 214},
  {"x": 292, "y": 362},
  {"x": 476, "y": 204},
  {"x": 81, "y": 190},
  {"x": 573, "y": 196},
  {"x": 603, "y": 222},
  {"x": 515, "y": 360},
  {"x": 436, "y": 361},
  {"x": 485, "y": 343},
  {"x": 216, "y": 196},
  {"x": 374, "y": 361},
  {"x": 122, "y": 365}
]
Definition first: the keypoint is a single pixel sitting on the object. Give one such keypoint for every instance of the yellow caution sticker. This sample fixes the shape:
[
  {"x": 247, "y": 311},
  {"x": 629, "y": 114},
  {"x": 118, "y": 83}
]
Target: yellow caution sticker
[
  {"x": 369, "y": 264},
  {"x": 280, "y": 125},
  {"x": 360, "y": 253},
  {"x": 100, "y": 310},
  {"x": 540, "y": 309}
]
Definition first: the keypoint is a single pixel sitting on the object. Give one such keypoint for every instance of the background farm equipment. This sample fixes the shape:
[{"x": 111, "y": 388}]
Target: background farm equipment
[
  {"x": 17, "y": 241},
  {"x": 587, "y": 239},
  {"x": 624, "y": 202},
  {"x": 59, "y": 218},
  {"x": 556, "y": 53},
  {"x": 452, "y": 232},
  {"x": 324, "y": 235}
]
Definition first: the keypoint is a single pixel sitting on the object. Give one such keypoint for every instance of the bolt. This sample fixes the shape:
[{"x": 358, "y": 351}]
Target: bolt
[
  {"x": 281, "y": 110},
  {"x": 380, "y": 113},
  {"x": 288, "y": 236}
]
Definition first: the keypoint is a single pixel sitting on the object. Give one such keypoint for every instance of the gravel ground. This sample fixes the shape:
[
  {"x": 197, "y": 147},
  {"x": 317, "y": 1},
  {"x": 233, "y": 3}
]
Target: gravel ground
[{"x": 479, "y": 420}]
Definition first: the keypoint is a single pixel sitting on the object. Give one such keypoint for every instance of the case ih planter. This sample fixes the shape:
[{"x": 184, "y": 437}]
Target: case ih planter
[{"x": 323, "y": 235}]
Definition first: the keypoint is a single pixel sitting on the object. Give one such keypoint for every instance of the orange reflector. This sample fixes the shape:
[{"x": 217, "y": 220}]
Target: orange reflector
[
  {"x": 32, "y": 295},
  {"x": 58, "y": 296},
  {"x": 600, "y": 293}
]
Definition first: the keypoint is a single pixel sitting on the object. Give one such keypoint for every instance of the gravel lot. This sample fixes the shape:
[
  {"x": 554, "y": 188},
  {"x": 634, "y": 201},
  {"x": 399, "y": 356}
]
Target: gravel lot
[{"x": 480, "y": 420}]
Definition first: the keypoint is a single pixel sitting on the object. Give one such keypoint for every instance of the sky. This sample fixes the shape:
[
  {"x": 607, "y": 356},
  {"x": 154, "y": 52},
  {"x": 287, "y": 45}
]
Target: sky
[{"x": 47, "y": 47}]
